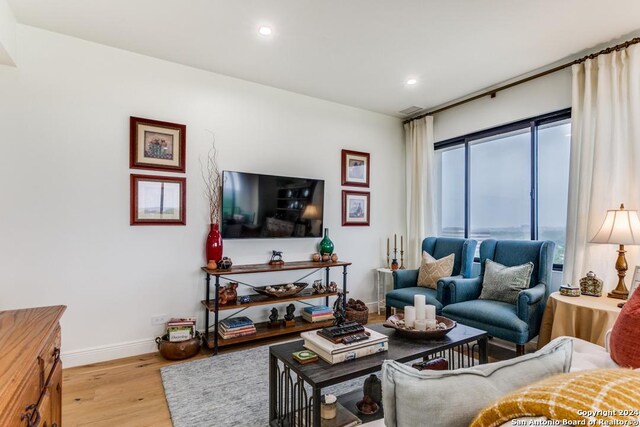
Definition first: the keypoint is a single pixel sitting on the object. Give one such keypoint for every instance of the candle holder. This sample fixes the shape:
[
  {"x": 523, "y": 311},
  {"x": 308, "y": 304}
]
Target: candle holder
[{"x": 402, "y": 267}]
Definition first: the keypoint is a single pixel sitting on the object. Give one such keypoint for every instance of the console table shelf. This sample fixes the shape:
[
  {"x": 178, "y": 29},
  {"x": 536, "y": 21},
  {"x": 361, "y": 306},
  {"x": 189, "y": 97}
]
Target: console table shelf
[
  {"x": 262, "y": 331},
  {"x": 211, "y": 303}
]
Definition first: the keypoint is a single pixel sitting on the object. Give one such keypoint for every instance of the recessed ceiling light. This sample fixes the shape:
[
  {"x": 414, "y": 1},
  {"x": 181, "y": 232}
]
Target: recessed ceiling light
[
  {"x": 265, "y": 31},
  {"x": 412, "y": 81}
]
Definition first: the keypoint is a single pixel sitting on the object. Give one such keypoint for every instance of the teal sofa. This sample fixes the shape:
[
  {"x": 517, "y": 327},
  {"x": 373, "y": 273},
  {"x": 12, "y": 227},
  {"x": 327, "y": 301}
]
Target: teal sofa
[{"x": 405, "y": 285}]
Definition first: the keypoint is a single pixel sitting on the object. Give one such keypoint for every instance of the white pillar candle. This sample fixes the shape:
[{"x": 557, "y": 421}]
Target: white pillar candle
[
  {"x": 419, "y": 302},
  {"x": 430, "y": 312},
  {"x": 421, "y": 325},
  {"x": 429, "y": 323},
  {"x": 409, "y": 316}
]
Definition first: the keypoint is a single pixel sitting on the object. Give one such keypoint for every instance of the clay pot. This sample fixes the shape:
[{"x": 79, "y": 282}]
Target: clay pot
[
  {"x": 334, "y": 257},
  {"x": 326, "y": 257},
  {"x": 316, "y": 257},
  {"x": 178, "y": 350},
  {"x": 212, "y": 265}
]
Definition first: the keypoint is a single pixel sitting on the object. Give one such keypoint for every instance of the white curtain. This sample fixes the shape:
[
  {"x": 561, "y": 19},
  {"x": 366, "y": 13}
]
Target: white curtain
[
  {"x": 605, "y": 160},
  {"x": 420, "y": 187}
]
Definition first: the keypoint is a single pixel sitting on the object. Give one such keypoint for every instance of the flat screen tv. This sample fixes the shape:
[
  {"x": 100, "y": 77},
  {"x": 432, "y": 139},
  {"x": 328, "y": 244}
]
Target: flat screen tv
[{"x": 266, "y": 206}]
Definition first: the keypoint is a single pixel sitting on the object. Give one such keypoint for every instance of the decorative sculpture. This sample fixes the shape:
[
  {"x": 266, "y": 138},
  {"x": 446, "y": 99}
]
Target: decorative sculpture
[{"x": 276, "y": 258}]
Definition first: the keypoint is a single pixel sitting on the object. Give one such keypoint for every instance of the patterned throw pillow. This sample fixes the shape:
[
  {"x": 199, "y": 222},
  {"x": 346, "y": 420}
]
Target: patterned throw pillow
[
  {"x": 625, "y": 336},
  {"x": 600, "y": 396},
  {"x": 501, "y": 283},
  {"x": 432, "y": 270}
]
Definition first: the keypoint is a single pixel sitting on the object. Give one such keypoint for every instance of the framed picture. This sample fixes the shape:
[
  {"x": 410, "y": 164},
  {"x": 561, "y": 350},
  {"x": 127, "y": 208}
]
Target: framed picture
[
  {"x": 156, "y": 145},
  {"x": 635, "y": 283},
  {"x": 158, "y": 200},
  {"x": 355, "y": 207},
  {"x": 355, "y": 168}
]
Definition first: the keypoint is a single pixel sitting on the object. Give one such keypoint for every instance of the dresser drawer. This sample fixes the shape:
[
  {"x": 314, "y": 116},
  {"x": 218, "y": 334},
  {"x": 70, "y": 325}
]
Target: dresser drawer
[
  {"x": 25, "y": 401},
  {"x": 49, "y": 355}
]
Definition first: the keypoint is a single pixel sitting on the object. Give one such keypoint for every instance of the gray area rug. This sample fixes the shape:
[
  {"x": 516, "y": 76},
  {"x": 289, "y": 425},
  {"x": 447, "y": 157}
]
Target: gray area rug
[{"x": 231, "y": 390}]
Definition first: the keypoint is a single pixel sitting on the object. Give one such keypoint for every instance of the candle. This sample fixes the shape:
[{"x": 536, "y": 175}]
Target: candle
[
  {"x": 430, "y": 312},
  {"x": 387, "y": 246},
  {"x": 409, "y": 316},
  {"x": 421, "y": 325},
  {"x": 429, "y": 324},
  {"x": 395, "y": 241},
  {"x": 419, "y": 302},
  {"x": 401, "y": 246}
]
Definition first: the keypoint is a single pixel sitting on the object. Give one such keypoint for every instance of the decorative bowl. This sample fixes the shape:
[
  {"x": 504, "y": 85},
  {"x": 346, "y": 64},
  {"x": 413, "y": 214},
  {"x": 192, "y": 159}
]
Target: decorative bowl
[
  {"x": 274, "y": 291},
  {"x": 392, "y": 322},
  {"x": 375, "y": 407}
]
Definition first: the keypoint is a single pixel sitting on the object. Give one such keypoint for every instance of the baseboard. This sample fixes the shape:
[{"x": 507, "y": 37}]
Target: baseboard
[{"x": 104, "y": 353}]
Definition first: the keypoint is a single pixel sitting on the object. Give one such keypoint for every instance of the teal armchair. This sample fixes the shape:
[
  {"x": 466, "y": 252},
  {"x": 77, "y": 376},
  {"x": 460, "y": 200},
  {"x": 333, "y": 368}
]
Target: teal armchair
[
  {"x": 519, "y": 322},
  {"x": 405, "y": 285}
]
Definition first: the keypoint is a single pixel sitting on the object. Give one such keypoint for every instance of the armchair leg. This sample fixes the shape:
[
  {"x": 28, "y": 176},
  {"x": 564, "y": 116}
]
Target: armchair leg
[
  {"x": 519, "y": 349},
  {"x": 388, "y": 311}
]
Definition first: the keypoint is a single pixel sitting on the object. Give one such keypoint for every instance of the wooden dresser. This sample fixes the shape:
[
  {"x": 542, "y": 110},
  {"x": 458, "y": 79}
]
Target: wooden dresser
[{"x": 30, "y": 367}]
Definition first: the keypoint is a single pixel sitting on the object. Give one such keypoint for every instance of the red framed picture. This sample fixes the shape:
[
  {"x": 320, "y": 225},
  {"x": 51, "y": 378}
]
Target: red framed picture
[
  {"x": 355, "y": 168},
  {"x": 355, "y": 207},
  {"x": 158, "y": 200},
  {"x": 157, "y": 145}
]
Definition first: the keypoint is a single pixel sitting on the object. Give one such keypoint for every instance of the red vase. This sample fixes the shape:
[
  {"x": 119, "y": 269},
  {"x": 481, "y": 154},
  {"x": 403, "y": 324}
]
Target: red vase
[{"x": 214, "y": 244}]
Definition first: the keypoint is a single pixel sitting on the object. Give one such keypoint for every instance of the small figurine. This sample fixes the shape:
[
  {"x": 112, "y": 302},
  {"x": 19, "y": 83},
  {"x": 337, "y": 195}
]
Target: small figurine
[
  {"x": 228, "y": 293},
  {"x": 339, "y": 314},
  {"x": 318, "y": 287},
  {"x": 332, "y": 287},
  {"x": 276, "y": 258},
  {"x": 273, "y": 318},
  {"x": 225, "y": 263},
  {"x": 290, "y": 310}
]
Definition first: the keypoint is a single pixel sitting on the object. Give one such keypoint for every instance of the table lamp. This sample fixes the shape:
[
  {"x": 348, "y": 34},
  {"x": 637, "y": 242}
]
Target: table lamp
[
  {"x": 311, "y": 214},
  {"x": 620, "y": 227}
]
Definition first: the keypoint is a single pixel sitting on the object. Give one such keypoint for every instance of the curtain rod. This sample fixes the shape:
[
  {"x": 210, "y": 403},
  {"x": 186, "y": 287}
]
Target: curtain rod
[{"x": 493, "y": 92}]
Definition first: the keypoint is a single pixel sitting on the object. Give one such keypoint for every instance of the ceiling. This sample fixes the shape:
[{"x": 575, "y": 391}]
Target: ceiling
[{"x": 354, "y": 52}]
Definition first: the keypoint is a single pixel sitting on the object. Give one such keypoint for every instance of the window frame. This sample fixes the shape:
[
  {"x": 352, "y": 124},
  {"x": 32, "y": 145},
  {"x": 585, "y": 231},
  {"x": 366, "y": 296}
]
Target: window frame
[{"x": 533, "y": 125}]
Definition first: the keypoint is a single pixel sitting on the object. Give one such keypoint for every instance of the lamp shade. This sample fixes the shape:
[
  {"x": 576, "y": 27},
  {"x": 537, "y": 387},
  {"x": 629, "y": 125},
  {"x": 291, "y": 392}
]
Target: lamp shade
[
  {"x": 311, "y": 212},
  {"x": 620, "y": 227}
]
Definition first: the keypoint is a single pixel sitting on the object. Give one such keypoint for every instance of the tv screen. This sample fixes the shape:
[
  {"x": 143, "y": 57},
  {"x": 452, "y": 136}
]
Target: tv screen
[{"x": 267, "y": 206}]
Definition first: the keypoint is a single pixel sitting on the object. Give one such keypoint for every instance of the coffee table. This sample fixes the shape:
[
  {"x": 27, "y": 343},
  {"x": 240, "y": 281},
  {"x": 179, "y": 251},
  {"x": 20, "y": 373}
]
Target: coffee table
[{"x": 290, "y": 404}]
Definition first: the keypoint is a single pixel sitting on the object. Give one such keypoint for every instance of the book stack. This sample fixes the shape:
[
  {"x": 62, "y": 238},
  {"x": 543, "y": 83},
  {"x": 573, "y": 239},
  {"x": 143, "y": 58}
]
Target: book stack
[
  {"x": 317, "y": 313},
  {"x": 236, "y": 327},
  {"x": 181, "y": 329},
  {"x": 336, "y": 353}
]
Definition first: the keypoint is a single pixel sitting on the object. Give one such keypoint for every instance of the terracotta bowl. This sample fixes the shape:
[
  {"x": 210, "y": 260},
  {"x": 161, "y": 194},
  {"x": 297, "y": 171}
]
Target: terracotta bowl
[{"x": 178, "y": 350}]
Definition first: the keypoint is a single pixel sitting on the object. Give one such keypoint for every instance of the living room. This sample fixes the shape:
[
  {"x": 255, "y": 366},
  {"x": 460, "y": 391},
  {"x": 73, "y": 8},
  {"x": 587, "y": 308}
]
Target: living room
[{"x": 286, "y": 89}]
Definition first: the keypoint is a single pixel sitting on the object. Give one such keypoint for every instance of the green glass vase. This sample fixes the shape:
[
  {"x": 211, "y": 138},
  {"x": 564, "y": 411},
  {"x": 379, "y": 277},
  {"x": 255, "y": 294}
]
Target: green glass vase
[{"x": 326, "y": 245}]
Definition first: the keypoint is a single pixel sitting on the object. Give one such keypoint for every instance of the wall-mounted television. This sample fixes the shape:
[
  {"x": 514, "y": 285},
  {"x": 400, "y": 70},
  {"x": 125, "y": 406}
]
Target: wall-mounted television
[{"x": 267, "y": 206}]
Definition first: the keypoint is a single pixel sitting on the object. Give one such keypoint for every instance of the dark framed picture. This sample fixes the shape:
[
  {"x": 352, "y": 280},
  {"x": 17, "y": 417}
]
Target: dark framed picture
[
  {"x": 158, "y": 200},
  {"x": 355, "y": 207},
  {"x": 355, "y": 168},
  {"x": 157, "y": 145}
]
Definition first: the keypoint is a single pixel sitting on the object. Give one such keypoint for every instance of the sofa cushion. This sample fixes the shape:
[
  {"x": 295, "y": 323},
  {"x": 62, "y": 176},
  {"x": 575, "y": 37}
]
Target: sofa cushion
[
  {"x": 625, "y": 339},
  {"x": 432, "y": 270},
  {"x": 404, "y": 296},
  {"x": 502, "y": 283},
  {"x": 437, "y": 398},
  {"x": 577, "y": 396}
]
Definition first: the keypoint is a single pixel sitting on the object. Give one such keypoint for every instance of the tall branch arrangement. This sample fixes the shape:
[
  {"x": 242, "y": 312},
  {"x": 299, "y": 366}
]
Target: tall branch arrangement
[{"x": 212, "y": 180}]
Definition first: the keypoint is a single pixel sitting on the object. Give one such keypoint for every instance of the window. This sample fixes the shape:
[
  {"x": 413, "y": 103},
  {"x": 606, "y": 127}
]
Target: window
[{"x": 510, "y": 182}]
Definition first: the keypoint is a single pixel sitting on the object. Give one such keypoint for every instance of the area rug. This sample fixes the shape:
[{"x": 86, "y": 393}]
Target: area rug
[{"x": 231, "y": 390}]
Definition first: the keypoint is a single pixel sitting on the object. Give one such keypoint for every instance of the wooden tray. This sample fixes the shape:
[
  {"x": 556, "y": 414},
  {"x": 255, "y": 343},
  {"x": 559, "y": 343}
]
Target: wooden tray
[
  {"x": 299, "y": 286},
  {"x": 420, "y": 335}
]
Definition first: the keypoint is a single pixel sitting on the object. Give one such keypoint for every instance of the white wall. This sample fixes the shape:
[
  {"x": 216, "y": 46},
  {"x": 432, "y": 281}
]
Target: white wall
[
  {"x": 540, "y": 96},
  {"x": 64, "y": 221},
  {"x": 7, "y": 34}
]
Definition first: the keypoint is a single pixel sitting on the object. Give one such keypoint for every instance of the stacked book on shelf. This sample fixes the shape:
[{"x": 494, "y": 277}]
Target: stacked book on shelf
[
  {"x": 333, "y": 353},
  {"x": 236, "y": 327},
  {"x": 317, "y": 313}
]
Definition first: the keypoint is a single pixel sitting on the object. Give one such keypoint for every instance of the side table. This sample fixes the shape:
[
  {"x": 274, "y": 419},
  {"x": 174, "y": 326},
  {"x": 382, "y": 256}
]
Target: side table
[
  {"x": 384, "y": 276},
  {"x": 585, "y": 317}
]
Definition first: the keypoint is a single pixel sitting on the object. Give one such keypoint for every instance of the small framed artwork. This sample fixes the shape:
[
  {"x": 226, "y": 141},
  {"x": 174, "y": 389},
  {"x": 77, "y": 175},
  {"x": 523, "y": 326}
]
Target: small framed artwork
[
  {"x": 355, "y": 168},
  {"x": 156, "y": 145},
  {"x": 635, "y": 283},
  {"x": 158, "y": 200},
  {"x": 355, "y": 207}
]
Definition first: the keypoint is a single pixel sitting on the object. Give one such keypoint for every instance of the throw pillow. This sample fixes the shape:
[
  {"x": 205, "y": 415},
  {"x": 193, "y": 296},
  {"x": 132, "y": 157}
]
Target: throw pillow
[
  {"x": 502, "y": 283},
  {"x": 432, "y": 270},
  {"x": 441, "y": 398},
  {"x": 582, "y": 397},
  {"x": 625, "y": 339}
]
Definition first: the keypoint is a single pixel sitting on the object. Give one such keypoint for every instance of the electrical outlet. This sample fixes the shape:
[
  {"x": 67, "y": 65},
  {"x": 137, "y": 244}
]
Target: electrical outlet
[{"x": 159, "y": 319}]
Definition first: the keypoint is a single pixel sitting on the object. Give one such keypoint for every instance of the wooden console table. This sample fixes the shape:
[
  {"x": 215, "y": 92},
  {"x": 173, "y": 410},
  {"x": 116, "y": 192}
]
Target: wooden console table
[
  {"x": 30, "y": 367},
  {"x": 212, "y": 339},
  {"x": 585, "y": 317}
]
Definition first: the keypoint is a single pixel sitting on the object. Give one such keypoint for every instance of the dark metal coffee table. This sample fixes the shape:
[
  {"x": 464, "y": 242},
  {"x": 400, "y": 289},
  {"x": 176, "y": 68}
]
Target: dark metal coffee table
[{"x": 290, "y": 403}]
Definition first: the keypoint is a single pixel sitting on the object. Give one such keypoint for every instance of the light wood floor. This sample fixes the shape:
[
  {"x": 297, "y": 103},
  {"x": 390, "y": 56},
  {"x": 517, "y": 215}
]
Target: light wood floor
[{"x": 128, "y": 392}]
